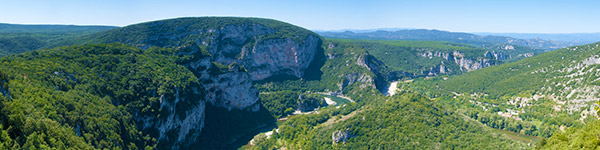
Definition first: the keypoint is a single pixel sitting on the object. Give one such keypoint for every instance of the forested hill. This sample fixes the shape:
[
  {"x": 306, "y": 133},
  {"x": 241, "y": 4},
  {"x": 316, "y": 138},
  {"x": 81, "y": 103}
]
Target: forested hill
[
  {"x": 574, "y": 138},
  {"x": 179, "y": 31},
  {"x": 540, "y": 96},
  {"x": 549, "y": 72},
  {"x": 411, "y": 59},
  {"x": 375, "y": 121},
  {"x": 15, "y": 38},
  {"x": 86, "y": 97},
  {"x": 558, "y": 89},
  {"x": 455, "y": 37},
  {"x": 136, "y": 95},
  {"x": 14, "y": 28},
  {"x": 550, "y": 96}
]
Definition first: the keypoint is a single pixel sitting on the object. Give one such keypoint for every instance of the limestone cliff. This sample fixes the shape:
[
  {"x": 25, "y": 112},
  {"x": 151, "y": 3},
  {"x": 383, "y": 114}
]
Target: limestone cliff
[
  {"x": 227, "y": 55},
  {"x": 377, "y": 67},
  {"x": 464, "y": 63}
]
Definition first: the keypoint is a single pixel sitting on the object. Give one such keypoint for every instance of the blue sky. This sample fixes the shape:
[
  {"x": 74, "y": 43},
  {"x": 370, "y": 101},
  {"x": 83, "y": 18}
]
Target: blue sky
[{"x": 520, "y": 16}]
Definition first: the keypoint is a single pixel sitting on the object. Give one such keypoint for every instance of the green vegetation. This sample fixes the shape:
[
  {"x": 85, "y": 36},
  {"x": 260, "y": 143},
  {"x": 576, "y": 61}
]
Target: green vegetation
[
  {"x": 406, "y": 56},
  {"x": 476, "y": 99},
  {"x": 574, "y": 138},
  {"x": 281, "y": 103},
  {"x": 17, "y": 28},
  {"x": 520, "y": 137},
  {"x": 421, "y": 58},
  {"x": 407, "y": 121},
  {"x": 86, "y": 97},
  {"x": 542, "y": 94},
  {"x": 399, "y": 121},
  {"x": 15, "y": 39},
  {"x": 517, "y": 77},
  {"x": 339, "y": 73}
]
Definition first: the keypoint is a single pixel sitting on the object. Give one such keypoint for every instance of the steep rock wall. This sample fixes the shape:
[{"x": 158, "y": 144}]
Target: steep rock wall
[
  {"x": 464, "y": 63},
  {"x": 241, "y": 46},
  {"x": 227, "y": 55}
]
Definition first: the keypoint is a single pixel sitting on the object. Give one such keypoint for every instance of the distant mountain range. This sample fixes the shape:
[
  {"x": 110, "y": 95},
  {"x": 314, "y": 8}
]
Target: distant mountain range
[
  {"x": 4, "y": 27},
  {"x": 577, "y": 38},
  {"x": 363, "y": 30},
  {"x": 17, "y": 38},
  {"x": 456, "y": 37}
]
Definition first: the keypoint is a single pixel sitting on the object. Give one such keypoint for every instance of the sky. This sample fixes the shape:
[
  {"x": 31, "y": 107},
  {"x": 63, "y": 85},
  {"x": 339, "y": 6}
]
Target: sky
[{"x": 499, "y": 16}]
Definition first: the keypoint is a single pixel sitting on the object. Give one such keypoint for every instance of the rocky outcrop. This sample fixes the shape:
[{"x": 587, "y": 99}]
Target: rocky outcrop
[
  {"x": 496, "y": 55},
  {"x": 591, "y": 60},
  {"x": 185, "y": 118},
  {"x": 467, "y": 64},
  {"x": 430, "y": 55},
  {"x": 464, "y": 63},
  {"x": 239, "y": 46},
  {"x": 341, "y": 136},
  {"x": 377, "y": 67},
  {"x": 526, "y": 55}
]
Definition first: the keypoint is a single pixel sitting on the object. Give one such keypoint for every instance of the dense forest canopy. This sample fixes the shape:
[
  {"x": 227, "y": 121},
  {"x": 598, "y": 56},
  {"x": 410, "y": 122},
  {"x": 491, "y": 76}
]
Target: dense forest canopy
[{"x": 85, "y": 96}]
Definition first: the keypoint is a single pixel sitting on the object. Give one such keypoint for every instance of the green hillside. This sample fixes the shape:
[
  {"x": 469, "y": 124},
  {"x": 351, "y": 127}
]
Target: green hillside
[
  {"x": 15, "y": 39},
  {"x": 408, "y": 121},
  {"x": 538, "y": 71},
  {"x": 406, "y": 55},
  {"x": 537, "y": 96},
  {"x": 84, "y": 97},
  {"x": 520, "y": 102},
  {"x": 574, "y": 138},
  {"x": 19, "y": 28}
]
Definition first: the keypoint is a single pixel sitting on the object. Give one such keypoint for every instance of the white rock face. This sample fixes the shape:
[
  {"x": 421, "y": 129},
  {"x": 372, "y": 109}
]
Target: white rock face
[
  {"x": 392, "y": 89},
  {"x": 329, "y": 101},
  {"x": 591, "y": 61},
  {"x": 468, "y": 64},
  {"x": 188, "y": 128},
  {"x": 464, "y": 64}
]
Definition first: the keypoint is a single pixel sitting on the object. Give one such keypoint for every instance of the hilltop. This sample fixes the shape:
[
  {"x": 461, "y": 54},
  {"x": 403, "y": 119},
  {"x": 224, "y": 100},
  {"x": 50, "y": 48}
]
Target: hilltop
[
  {"x": 16, "y": 38},
  {"x": 165, "y": 83}
]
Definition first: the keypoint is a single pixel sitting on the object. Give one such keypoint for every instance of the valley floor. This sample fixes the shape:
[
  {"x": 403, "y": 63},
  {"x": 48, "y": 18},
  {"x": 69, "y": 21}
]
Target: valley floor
[{"x": 337, "y": 101}]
